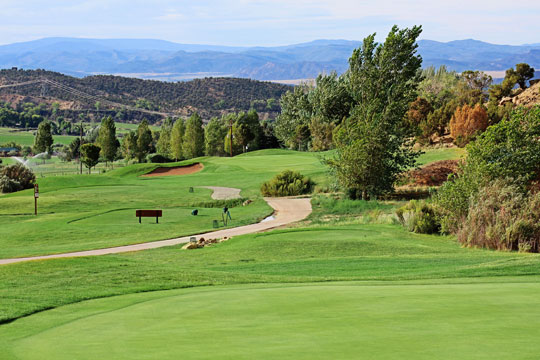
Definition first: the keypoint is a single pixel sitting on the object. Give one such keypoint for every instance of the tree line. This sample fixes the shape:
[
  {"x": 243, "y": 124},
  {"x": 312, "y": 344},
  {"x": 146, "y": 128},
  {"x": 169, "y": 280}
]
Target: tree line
[
  {"x": 177, "y": 139},
  {"x": 459, "y": 104}
]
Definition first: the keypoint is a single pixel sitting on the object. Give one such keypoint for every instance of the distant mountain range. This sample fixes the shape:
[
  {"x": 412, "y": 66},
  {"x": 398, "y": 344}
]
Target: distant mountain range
[{"x": 164, "y": 60}]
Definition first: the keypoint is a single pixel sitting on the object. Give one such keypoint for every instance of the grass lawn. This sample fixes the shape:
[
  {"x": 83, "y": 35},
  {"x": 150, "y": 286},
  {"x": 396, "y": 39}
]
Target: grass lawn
[
  {"x": 347, "y": 282},
  {"x": 26, "y": 138},
  {"x": 56, "y": 167},
  {"x": 303, "y": 321},
  {"x": 81, "y": 212},
  {"x": 432, "y": 155}
]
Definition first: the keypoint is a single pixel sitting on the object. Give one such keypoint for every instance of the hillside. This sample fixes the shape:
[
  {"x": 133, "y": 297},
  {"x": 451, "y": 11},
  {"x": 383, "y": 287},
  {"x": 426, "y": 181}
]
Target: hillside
[
  {"x": 529, "y": 97},
  {"x": 209, "y": 96},
  {"x": 163, "y": 60}
]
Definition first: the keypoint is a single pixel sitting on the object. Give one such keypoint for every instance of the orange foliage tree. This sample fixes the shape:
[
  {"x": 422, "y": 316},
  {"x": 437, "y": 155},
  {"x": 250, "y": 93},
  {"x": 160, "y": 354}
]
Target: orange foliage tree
[{"x": 467, "y": 122}]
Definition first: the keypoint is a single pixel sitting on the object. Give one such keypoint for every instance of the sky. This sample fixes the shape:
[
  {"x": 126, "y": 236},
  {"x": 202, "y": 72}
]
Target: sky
[{"x": 268, "y": 23}]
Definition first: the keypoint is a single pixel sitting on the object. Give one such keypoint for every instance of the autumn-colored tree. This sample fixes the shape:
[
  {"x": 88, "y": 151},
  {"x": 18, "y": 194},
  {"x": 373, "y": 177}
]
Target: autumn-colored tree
[
  {"x": 417, "y": 117},
  {"x": 467, "y": 122}
]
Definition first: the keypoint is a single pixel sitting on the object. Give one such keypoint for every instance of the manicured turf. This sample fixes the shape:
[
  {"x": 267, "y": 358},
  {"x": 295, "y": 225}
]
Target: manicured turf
[
  {"x": 82, "y": 212},
  {"x": 327, "y": 321},
  {"x": 26, "y": 138},
  {"x": 432, "y": 155},
  {"x": 346, "y": 283},
  {"x": 56, "y": 167},
  {"x": 368, "y": 252}
]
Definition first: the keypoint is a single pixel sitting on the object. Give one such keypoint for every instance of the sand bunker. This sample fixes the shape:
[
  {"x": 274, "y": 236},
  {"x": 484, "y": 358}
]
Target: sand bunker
[
  {"x": 223, "y": 193},
  {"x": 177, "y": 170}
]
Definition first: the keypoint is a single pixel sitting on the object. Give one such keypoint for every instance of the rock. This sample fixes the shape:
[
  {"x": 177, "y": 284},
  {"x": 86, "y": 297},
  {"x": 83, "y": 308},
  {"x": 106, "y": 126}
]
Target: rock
[
  {"x": 190, "y": 246},
  {"x": 505, "y": 100}
]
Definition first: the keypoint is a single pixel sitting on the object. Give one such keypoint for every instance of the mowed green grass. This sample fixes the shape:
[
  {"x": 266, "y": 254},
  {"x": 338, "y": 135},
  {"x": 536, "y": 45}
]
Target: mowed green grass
[
  {"x": 56, "y": 167},
  {"x": 347, "y": 283},
  {"x": 303, "y": 321},
  {"x": 81, "y": 212},
  {"x": 432, "y": 155},
  {"x": 367, "y": 252},
  {"x": 26, "y": 138}
]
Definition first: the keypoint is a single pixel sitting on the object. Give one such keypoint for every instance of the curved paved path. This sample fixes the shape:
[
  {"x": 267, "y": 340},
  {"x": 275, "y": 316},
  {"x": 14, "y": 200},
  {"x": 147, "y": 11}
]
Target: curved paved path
[{"x": 287, "y": 211}]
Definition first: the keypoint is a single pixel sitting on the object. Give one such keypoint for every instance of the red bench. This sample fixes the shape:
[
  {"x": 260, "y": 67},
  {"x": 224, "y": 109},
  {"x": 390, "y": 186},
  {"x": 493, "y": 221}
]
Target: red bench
[{"x": 148, "y": 213}]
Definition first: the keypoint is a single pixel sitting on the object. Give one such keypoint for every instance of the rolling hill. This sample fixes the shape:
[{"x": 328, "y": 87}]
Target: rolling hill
[{"x": 164, "y": 60}]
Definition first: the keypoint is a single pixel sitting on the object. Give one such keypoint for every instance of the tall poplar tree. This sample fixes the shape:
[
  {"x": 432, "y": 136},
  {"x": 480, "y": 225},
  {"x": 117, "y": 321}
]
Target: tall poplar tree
[
  {"x": 372, "y": 146},
  {"x": 44, "y": 140},
  {"x": 107, "y": 139},
  {"x": 193, "y": 145},
  {"x": 177, "y": 139},
  {"x": 144, "y": 140},
  {"x": 163, "y": 145}
]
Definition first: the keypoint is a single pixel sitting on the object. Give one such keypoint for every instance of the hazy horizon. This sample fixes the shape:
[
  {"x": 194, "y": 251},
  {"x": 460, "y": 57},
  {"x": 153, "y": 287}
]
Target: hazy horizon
[{"x": 268, "y": 23}]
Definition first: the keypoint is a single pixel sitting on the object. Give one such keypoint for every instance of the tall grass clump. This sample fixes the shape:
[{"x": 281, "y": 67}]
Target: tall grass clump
[
  {"x": 503, "y": 217},
  {"x": 287, "y": 183},
  {"x": 419, "y": 217}
]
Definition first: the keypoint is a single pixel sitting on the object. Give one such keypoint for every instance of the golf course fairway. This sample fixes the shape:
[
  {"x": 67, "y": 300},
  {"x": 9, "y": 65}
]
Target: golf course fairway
[{"x": 297, "y": 321}]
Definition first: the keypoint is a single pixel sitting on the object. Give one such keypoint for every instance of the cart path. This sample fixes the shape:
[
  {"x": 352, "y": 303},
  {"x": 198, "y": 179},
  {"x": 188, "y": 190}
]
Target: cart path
[
  {"x": 223, "y": 193},
  {"x": 286, "y": 211}
]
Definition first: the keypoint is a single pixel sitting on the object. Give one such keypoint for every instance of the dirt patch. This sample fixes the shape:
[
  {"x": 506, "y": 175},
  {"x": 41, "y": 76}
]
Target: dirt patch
[
  {"x": 177, "y": 170},
  {"x": 434, "y": 174}
]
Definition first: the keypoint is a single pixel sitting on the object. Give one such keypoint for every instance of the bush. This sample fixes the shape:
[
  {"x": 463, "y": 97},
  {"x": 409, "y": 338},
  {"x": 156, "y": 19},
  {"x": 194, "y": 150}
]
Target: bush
[
  {"x": 419, "y": 217},
  {"x": 288, "y": 183},
  {"x": 467, "y": 122},
  {"x": 503, "y": 217},
  {"x": 8, "y": 185},
  {"x": 158, "y": 159},
  {"x": 509, "y": 149},
  {"x": 16, "y": 177}
]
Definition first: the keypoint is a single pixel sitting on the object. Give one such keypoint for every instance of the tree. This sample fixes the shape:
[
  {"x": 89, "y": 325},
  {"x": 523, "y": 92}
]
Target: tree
[
  {"x": 193, "y": 145},
  {"x": 417, "y": 117},
  {"x": 214, "y": 137},
  {"x": 321, "y": 134},
  {"x": 163, "y": 145},
  {"x": 44, "y": 140},
  {"x": 177, "y": 139},
  {"x": 524, "y": 73},
  {"x": 90, "y": 155},
  {"x": 129, "y": 145},
  {"x": 372, "y": 144},
  {"x": 508, "y": 150},
  {"x": 467, "y": 122},
  {"x": 107, "y": 139},
  {"x": 144, "y": 140},
  {"x": 478, "y": 80},
  {"x": 295, "y": 110}
]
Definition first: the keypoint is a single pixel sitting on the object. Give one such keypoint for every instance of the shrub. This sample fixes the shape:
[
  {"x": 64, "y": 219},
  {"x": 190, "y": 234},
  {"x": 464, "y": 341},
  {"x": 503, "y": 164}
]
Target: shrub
[
  {"x": 467, "y": 122},
  {"x": 509, "y": 149},
  {"x": 16, "y": 177},
  {"x": 158, "y": 159},
  {"x": 502, "y": 217},
  {"x": 288, "y": 183},
  {"x": 419, "y": 217},
  {"x": 8, "y": 185}
]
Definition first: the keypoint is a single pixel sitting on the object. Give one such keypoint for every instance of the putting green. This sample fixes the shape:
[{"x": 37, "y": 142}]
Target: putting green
[{"x": 325, "y": 321}]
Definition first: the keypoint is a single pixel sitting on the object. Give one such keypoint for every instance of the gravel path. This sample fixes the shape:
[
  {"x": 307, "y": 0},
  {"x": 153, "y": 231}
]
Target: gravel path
[
  {"x": 223, "y": 193},
  {"x": 287, "y": 211}
]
